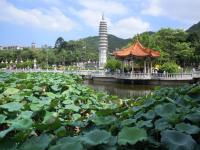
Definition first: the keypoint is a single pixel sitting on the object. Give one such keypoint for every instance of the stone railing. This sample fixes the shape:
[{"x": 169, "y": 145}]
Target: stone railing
[{"x": 133, "y": 76}]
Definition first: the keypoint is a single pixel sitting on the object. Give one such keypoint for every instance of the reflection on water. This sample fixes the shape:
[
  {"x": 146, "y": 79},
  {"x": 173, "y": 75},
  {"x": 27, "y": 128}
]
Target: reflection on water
[{"x": 121, "y": 90}]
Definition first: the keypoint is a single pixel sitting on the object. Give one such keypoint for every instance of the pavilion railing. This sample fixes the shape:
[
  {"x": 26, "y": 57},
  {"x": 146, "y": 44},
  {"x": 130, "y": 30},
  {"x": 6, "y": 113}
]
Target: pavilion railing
[
  {"x": 167, "y": 76},
  {"x": 174, "y": 76}
]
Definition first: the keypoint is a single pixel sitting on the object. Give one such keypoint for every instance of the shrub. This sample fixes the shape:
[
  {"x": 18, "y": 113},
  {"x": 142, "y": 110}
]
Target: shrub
[
  {"x": 170, "y": 67},
  {"x": 113, "y": 65}
]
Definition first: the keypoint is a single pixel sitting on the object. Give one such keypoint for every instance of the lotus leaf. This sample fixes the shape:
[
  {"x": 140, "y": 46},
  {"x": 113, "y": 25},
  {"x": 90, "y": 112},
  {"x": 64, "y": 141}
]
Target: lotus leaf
[
  {"x": 10, "y": 91},
  {"x": 4, "y": 132},
  {"x": 165, "y": 110},
  {"x": 50, "y": 117},
  {"x": 37, "y": 143},
  {"x": 131, "y": 135},
  {"x": 96, "y": 137},
  {"x": 2, "y": 118},
  {"x": 72, "y": 107},
  {"x": 187, "y": 128},
  {"x": 22, "y": 124},
  {"x": 68, "y": 143},
  {"x": 100, "y": 120},
  {"x": 12, "y": 106},
  {"x": 68, "y": 146},
  {"x": 55, "y": 88},
  {"x": 36, "y": 107},
  {"x": 26, "y": 114},
  {"x": 76, "y": 117},
  {"x": 193, "y": 117},
  {"x": 162, "y": 124},
  {"x": 175, "y": 140},
  {"x": 128, "y": 122},
  {"x": 150, "y": 114},
  {"x": 51, "y": 95},
  {"x": 144, "y": 124}
]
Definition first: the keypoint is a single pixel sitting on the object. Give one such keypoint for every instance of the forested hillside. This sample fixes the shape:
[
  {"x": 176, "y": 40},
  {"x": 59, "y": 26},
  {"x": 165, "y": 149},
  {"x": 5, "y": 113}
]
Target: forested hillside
[
  {"x": 114, "y": 42},
  {"x": 195, "y": 29}
]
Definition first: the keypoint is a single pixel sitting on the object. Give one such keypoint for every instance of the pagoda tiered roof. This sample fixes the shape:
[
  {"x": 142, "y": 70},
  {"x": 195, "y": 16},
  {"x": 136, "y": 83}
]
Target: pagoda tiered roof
[{"x": 136, "y": 50}]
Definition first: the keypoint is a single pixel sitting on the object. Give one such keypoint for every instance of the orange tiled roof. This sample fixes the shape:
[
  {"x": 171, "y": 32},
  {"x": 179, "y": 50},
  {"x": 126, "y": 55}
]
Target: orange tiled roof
[{"x": 137, "y": 50}]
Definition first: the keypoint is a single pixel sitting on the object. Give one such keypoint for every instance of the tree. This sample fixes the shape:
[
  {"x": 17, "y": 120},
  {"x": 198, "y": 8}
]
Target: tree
[
  {"x": 194, "y": 39},
  {"x": 59, "y": 42},
  {"x": 113, "y": 64}
]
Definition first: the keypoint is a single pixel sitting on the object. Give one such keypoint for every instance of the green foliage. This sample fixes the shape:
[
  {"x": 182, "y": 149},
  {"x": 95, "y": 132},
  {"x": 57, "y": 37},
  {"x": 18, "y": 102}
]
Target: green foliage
[
  {"x": 131, "y": 135},
  {"x": 71, "y": 143},
  {"x": 177, "y": 141},
  {"x": 47, "y": 111},
  {"x": 113, "y": 64},
  {"x": 39, "y": 143},
  {"x": 170, "y": 67},
  {"x": 195, "y": 29},
  {"x": 96, "y": 137},
  {"x": 2, "y": 65},
  {"x": 174, "y": 45},
  {"x": 59, "y": 43},
  {"x": 26, "y": 64},
  {"x": 114, "y": 43}
]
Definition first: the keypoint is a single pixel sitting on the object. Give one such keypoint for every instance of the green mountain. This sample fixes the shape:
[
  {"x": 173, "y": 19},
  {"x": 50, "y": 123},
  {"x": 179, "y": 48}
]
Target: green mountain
[
  {"x": 195, "y": 29},
  {"x": 113, "y": 42}
]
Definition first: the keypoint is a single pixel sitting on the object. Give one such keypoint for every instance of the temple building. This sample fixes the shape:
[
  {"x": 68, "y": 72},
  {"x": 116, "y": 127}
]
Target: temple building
[
  {"x": 103, "y": 43},
  {"x": 137, "y": 53}
]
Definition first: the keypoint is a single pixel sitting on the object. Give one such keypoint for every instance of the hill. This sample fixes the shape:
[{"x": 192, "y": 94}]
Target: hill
[
  {"x": 113, "y": 42},
  {"x": 195, "y": 29}
]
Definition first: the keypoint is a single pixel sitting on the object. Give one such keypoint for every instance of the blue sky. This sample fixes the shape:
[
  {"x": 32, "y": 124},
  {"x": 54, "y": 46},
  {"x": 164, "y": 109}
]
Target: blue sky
[{"x": 43, "y": 21}]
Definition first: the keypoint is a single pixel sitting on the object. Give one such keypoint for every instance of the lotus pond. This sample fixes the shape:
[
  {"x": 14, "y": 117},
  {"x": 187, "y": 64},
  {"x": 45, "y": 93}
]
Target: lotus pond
[{"x": 47, "y": 111}]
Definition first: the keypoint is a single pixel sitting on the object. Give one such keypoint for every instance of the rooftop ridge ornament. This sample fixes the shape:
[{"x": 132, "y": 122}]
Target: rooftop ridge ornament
[{"x": 137, "y": 37}]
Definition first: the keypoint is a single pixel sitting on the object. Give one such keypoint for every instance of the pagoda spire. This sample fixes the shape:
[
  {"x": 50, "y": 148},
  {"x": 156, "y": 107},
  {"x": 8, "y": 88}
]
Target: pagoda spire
[
  {"x": 103, "y": 43},
  {"x": 103, "y": 16}
]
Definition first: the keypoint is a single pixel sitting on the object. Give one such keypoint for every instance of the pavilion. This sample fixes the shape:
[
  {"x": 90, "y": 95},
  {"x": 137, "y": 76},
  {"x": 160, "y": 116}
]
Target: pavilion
[{"x": 137, "y": 52}]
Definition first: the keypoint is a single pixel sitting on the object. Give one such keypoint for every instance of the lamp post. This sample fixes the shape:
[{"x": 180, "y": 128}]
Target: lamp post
[
  {"x": 34, "y": 64},
  {"x": 6, "y": 63},
  {"x": 47, "y": 61}
]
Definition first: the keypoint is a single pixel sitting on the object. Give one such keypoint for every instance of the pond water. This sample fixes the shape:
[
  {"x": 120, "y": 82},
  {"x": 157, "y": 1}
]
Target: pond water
[{"x": 121, "y": 90}]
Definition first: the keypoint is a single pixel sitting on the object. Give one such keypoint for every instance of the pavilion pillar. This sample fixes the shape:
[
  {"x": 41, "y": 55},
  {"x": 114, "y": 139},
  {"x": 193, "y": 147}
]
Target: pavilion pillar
[
  {"x": 148, "y": 67},
  {"x": 132, "y": 66},
  {"x": 151, "y": 67},
  {"x": 123, "y": 66},
  {"x": 145, "y": 64}
]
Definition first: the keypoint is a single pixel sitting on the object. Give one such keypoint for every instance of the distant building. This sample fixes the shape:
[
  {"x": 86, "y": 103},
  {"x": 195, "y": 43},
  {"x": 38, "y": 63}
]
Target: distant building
[
  {"x": 33, "y": 45},
  {"x": 103, "y": 43},
  {"x": 13, "y": 47}
]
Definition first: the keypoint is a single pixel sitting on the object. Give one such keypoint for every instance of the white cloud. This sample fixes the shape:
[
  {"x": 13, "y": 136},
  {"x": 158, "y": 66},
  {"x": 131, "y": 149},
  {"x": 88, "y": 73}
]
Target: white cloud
[
  {"x": 53, "y": 2},
  {"x": 90, "y": 17},
  {"x": 106, "y": 6},
  {"x": 123, "y": 26},
  {"x": 52, "y": 19},
  {"x": 128, "y": 27},
  {"x": 92, "y": 10},
  {"x": 183, "y": 10},
  {"x": 152, "y": 7}
]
